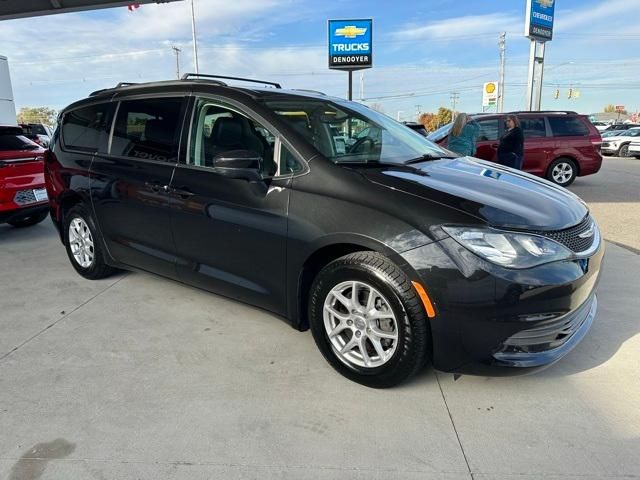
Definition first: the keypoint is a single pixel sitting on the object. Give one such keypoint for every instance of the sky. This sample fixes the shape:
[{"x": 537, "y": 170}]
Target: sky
[{"x": 423, "y": 50}]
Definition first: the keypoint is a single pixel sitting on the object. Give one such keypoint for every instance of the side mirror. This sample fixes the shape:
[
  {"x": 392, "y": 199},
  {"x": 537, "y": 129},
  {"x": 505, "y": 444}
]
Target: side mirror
[{"x": 242, "y": 164}]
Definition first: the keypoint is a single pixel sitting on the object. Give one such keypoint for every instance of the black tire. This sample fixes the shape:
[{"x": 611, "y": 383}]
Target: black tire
[
  {"x": 30, "y": 220},
  {"x": 562, "y": 163},
  {"x": 98, "y": 268},
  {"x": 413, "y": 347},
  {"x": 623, "y": 151}
]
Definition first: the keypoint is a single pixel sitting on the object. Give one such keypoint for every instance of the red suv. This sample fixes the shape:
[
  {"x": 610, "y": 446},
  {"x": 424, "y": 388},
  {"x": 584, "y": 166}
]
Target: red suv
[
  {"x": 557, "y": 145},
  {"x": 23, "y": 197}
]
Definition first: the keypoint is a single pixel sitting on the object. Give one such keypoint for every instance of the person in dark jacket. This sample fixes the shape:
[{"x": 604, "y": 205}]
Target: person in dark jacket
[
  {"x": 511, "y": 148},
  {"x": 463, "y": 135}
]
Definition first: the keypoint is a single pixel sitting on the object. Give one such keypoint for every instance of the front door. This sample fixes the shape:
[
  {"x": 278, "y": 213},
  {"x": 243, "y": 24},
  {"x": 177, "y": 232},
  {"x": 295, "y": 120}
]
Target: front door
[
  {"x": 488, "y": 139},
  {"x": 231, "y": 233},
  {"x": 129, "y": 183}
]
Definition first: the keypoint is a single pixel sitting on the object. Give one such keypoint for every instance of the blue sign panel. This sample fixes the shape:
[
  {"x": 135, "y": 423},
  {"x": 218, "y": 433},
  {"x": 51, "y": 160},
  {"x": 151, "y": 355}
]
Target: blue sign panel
[
  {"x": 350, "y": 44},
  {"x": 539, "y": 23}
]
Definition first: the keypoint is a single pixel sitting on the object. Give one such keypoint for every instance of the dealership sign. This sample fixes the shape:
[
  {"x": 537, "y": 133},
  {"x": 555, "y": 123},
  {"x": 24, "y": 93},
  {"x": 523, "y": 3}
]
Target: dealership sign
[
  {"x": 539, "y": 20},
  {"x": 350, "y": 44}
]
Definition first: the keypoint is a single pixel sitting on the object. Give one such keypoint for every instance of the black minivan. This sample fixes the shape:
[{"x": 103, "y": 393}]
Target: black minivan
[{"x": 394, "y": 252}]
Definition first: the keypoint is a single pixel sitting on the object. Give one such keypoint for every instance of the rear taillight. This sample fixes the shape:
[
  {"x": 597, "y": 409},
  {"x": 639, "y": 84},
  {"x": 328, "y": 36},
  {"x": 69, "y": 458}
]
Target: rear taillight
[{"x": 595, "y": 140}]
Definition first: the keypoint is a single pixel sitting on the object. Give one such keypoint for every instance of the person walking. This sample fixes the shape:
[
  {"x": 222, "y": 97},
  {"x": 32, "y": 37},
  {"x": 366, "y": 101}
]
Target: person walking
[
  {"x": 511, "y": 148},
  {"x": 463, "y": 136}
]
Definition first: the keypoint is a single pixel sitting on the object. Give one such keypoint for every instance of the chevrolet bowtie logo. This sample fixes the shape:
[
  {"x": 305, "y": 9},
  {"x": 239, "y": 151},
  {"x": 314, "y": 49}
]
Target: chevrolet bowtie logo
[
  {"x": 545, "y": 3},
  {"x": 350, "y": 31}
]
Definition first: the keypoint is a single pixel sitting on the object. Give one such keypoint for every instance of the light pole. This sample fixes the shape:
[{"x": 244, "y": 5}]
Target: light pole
[
  {"x": 177, "y": 52},
  {"x": 193, "y": 33}
]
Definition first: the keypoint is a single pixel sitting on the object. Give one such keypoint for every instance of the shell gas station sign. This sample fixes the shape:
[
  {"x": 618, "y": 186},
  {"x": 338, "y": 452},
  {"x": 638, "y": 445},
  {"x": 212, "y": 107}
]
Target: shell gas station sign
[{"x": 490, "y": 94}]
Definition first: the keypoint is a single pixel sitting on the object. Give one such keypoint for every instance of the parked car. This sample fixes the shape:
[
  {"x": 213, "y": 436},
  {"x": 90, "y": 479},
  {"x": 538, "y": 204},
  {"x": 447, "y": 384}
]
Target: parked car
[
  {"x": 418, "y": 127},
  {"x": 634, "y": 148},
  {"x": 392, "y": 251},
  {"x": 601, "y": 126},
  {"x": 619, "y": 144},
  {"x": 37, "y": 132},
  {"x": 611, "y": 133},
  {"x": 23, "y": 198},
  {"x": 558, "y": 146},
  {"x": 621, "y": 126}
]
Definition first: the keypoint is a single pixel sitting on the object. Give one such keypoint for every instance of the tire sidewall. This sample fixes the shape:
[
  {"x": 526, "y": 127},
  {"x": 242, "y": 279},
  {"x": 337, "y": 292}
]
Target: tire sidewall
[
  {"x": 81, "y": 212},
  {"x": 624, "y": 150},
  {"x": 337, "y": 273}
]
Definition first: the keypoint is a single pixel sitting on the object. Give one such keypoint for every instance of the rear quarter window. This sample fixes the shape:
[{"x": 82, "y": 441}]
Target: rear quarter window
[
  {"x": 568, "y": 127},
  {"x": 86, "y": 129}
]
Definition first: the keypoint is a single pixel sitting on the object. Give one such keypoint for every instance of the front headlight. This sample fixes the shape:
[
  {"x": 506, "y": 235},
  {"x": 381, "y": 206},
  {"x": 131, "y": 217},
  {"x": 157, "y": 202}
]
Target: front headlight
[{"x": 509, "y": 249}]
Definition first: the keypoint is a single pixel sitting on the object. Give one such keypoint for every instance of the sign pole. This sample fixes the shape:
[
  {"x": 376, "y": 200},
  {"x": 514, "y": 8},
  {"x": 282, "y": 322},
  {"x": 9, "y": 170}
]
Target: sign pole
[
  {"x": 540, "y": 61},
  {"x": 531, "y": 75},
  {"x": 350, "y": 85}
]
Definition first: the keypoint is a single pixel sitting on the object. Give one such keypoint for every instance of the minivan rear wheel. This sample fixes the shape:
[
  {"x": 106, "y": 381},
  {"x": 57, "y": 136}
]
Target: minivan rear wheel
[
  {"x": 84, "y": 246},
  {"x": 562, "y": 171},
  {"x": 367, "y": 320}
]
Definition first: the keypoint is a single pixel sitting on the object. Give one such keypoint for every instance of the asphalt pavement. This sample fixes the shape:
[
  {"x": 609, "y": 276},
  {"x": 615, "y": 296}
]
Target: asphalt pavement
[{"x": 138, "y": 377}]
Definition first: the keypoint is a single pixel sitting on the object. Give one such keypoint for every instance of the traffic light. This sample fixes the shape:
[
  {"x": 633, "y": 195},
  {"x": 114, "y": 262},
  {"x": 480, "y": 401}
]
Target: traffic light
[
  {"x": 570, "y": 95},
  {"x": 556, "y": 95}
]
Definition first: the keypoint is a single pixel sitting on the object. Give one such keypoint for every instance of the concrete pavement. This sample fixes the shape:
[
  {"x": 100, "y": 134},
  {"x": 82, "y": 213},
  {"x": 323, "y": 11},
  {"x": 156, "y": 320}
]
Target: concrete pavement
[{"x": 141, "y": 377}]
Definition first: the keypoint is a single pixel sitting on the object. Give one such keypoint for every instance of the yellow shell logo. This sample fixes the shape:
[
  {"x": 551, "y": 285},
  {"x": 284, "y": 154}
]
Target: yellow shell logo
[{"x": 490, "y": 88}]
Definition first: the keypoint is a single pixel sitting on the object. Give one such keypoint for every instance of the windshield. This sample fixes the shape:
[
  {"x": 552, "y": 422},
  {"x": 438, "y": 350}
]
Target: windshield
[
  {"x": 632, "y": 133},
  {"x": 348, "y": 132}
]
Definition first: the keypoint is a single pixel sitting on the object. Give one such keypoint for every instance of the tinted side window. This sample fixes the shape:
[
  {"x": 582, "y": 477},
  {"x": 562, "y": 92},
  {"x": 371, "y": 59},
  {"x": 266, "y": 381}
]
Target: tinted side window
[
  {"x": 567, "y": 126},
  {"x": 533, "y": 127},
  {"x": 87, "y": 128},
  {"x": 288, "y": 162},
  {"x": 148, "y": 129},
  {"x": 10, "y": 141},
  {"x": 489, "y": 130}
]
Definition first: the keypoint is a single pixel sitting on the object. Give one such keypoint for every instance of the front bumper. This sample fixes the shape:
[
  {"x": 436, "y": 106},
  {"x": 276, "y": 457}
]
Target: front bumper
[{"x": 496, "y": 321}]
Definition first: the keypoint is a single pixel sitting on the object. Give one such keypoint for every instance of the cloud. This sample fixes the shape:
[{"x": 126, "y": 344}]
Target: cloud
[
  {"x": 615, "y": 11},
  {"x": 470, "y": 25}
]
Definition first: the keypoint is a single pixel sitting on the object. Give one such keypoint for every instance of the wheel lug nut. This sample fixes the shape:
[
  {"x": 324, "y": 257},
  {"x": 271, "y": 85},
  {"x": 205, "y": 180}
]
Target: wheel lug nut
[
  {"x": 349, "y": 322},
  {"x": 358, "y": 333}
]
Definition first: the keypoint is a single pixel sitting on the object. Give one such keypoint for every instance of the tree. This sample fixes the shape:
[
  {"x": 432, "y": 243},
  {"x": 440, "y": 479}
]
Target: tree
[
  {"x": 433, "y": 121},
  {"x": 610, "y": 108},
  {"x": 44, "y": 115}
]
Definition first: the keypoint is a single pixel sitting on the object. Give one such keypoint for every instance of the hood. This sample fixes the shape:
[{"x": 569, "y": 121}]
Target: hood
[{"x": 497, "y": 195}]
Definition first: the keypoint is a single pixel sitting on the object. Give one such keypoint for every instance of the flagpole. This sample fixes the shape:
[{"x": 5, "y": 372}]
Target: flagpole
[{"x": 193, "y": 32}]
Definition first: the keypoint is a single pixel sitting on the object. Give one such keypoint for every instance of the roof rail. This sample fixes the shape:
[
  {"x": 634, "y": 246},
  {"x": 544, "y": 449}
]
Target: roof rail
[
  {"x": 187, "y": 76},
  {"x": 309, "y": 91},
  {"x": 567, "y": 112},
  {"x": 119, "y": 85}
]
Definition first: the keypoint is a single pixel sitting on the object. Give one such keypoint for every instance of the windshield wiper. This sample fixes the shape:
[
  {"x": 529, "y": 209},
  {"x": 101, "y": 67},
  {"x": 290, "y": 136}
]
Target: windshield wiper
[{"x": 427, "y": 156}]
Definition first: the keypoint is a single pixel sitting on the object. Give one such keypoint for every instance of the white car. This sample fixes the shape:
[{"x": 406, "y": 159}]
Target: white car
[
  {"x": 619, "y": 145},
  {"x": 601, "y": 126},
  {"x": 634, "y": 149}
]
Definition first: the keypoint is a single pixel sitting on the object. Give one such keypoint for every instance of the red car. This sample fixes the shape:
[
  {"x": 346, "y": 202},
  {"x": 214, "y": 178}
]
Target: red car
[
  {"x": 558, "y": 146},
  {"x": 23, "y": 196}
]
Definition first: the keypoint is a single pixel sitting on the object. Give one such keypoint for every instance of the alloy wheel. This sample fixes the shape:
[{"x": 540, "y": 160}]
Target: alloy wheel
[
  {"x": 562, "y": 173},
  {"x": 360, "y": 324},
  {"x": 81, "y": 242}
]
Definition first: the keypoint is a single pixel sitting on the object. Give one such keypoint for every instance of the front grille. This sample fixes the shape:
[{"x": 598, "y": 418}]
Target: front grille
[
  {"x": 24, "y": 197},
  {"x": 550, "y": 334},
  {"x": 605, "y": 144},
  {"x": 570, "y": 237}
]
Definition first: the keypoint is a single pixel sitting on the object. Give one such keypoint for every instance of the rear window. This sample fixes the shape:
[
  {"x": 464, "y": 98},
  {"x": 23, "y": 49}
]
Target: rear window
[
  {"x": 148, "y": 129},
  {"x": 533, "y": 127},
  {"x": 85, "y": 129},
  {"x": 568, "y": 127},
  {"x": 10, "y": 142},
  {"x": 38, "y": 129}
]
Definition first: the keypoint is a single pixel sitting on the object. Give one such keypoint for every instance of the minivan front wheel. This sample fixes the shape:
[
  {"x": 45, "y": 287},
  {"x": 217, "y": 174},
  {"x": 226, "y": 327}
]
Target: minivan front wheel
[
  {"x": 562, "y": 171},
  {"x": 367, "y": 320},
  {"x": 84, "y": 247}
]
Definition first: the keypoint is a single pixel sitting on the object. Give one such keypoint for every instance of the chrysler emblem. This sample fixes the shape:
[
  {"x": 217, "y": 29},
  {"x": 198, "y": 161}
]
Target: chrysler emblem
[{"x": 587, "y": 233}]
